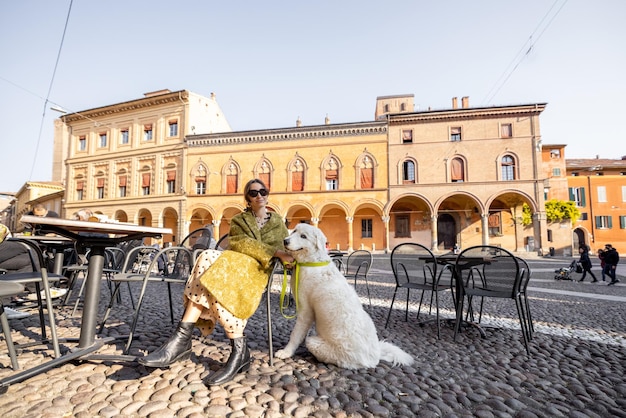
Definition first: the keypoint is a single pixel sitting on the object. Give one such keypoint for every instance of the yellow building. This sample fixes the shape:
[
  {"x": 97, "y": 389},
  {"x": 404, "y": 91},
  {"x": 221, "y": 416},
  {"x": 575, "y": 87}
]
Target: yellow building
[{"x": 458, "y": 176}]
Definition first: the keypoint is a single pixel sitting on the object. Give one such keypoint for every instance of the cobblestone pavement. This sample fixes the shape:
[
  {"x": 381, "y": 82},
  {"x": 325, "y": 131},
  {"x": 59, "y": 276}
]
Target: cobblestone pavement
[{"x": 576, "y": 368}]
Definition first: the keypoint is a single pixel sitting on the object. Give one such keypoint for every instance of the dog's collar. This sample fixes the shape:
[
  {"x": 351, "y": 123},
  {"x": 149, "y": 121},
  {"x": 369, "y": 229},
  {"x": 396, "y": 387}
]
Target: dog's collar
[{"x": 296, "y": 284}]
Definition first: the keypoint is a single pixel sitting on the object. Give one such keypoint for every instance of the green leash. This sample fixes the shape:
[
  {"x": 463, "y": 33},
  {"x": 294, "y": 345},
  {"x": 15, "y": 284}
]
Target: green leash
[{"x": 296, "y": 283}]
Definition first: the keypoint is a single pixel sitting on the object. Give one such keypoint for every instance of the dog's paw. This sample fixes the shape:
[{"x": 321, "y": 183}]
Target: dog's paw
[{"x": 283, "y": 354}]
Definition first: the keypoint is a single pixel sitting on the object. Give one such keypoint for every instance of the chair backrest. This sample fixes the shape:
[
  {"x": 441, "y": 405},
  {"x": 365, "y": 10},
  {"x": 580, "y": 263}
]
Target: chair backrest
[
  {"x": 358, "y": 264},
  {"x": 413, "y": 263},
  {"x": 174, "y": 263},
  {"x": 199, "y": 239},
  {"x": 525, "y": 274},
  {"x": 114, "y": 258},
  {"x": 223, "y": 243},
  {"x": 489, "y": 271},
  {"x": 139, "y": 259}
]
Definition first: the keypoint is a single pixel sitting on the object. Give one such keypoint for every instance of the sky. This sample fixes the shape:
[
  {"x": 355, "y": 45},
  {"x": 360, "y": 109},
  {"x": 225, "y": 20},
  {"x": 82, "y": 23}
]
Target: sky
[{"x": 272, "y": 62}]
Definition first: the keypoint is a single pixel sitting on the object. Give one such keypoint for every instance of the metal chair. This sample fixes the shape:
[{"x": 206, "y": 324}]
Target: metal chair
[
  {"x": 9, "y": 289},
  {"x": 357, "y": 266},
  {"x": 415, "y": 267},
  {"x": 199, "y": 240},
  {"x": 144, "y": 265},
  {"x": 489, "y": 272},
  {"x": 526, "y": 273},
  {"x": 40, "y": 278}
]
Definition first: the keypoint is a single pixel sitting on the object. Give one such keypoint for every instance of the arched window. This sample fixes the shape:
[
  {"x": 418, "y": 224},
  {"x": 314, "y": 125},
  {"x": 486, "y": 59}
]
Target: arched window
[
  {"x": 408, "y": 172},
  {"x": 457, "y": 170},
  {"x": 331, "y": 174},
  {"x": 297, "y": 175},
  {"x": 366, "y": 172},
  {"x": 232, "y": 178},
  {"x": 508, "y": 168},
  {"x": 263, "y": 171},
  {"x": 200, "y": 179}
]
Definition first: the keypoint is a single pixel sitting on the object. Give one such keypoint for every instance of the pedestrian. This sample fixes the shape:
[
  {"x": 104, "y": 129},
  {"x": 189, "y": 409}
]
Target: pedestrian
[
  {"x": 585, "y": 263},
  {"x": 602, "y": 263},
  {"x": 226, "y": 287},
  {"x": 611, "y": 258}
]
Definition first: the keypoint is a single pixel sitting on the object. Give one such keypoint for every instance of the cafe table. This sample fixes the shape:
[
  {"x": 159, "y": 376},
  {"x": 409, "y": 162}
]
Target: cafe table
[
  {"x": 456, "y": 265},
  {"x": 96, "y": 236},
  {"x": 56, "y": 243}
]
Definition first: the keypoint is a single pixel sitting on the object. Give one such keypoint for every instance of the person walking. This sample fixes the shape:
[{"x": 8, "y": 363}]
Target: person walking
[
  {"x": 585, "y": 262},
  {"x": 226, "y": 287},
  {"x": 602, "y": 263},
  {"x": 611, "y": 258}
]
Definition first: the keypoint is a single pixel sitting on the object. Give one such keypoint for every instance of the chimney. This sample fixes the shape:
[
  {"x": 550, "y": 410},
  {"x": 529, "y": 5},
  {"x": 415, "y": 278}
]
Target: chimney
[
  {"x": 327, "y": 120},
  {"x": 465, "y": 102},
  {"x": 298, "y": 122},
  {"x": 455, "y": 104}
]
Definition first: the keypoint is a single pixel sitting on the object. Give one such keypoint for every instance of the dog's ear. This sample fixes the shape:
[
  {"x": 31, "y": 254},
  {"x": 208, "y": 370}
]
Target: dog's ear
[{"x": 320, "y": 239}]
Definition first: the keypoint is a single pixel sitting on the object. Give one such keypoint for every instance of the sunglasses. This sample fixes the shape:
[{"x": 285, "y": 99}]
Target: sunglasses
[{"x": 255, "y": 193}]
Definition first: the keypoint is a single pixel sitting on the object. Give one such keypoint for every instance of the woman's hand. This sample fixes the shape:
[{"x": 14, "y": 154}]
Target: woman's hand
[{"x": 285, "y": 258}]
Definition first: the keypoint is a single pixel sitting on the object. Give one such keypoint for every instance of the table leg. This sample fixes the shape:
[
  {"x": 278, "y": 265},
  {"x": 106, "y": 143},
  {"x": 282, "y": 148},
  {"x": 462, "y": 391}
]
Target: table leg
[{"x": 92, "y": 297}]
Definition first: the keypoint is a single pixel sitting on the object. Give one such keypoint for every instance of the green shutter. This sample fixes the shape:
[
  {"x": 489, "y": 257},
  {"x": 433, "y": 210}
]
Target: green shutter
[
  {"x": 622, "y": 222},
  {"x": 598, "y": 221},
  {"x": 610, "y": 221},
  {"x": 583, "y": 201},
  {"x": 571, "y": 194}
]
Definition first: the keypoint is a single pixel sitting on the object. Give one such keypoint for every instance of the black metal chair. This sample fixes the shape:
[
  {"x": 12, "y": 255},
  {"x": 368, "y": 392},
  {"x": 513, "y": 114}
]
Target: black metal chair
[
  {"x": 489, "y": 272},
  {"x": 526, "y": 274},
  {"x": 41, "y": 279},
  {"x": 415, "y": 268},
  {"x": 199, "y": 240},
  {"x": 144, "y": 265},
  {"x": 9, "y": 289},
  {"x": 357, "y": 266}
]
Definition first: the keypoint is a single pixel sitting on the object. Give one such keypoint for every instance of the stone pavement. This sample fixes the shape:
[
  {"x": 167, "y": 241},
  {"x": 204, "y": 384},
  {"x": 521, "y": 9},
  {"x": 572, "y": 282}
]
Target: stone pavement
[{"x": 577, "y": 366}]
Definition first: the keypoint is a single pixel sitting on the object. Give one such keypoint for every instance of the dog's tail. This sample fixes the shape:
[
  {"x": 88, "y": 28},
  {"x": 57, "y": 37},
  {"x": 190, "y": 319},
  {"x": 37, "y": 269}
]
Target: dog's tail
[{"x": 394, "y": 354}]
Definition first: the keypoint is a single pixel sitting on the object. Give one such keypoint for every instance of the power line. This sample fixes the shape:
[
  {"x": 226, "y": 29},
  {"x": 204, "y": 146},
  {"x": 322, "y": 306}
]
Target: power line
[
  {"x": 46, "y": 101},
  {"x": 524, "y": 51}
]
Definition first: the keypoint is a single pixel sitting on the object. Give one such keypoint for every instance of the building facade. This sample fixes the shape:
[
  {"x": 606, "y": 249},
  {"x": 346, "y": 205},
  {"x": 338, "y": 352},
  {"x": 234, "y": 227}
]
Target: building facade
[{"x": 457, "y": 176}]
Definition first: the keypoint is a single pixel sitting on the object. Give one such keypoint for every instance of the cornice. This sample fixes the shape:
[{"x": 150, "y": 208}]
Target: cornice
[
  {"x": 469, "y": 113},
  {"x": 288, "y": 134},
  {"x": 128, "y": 106}
]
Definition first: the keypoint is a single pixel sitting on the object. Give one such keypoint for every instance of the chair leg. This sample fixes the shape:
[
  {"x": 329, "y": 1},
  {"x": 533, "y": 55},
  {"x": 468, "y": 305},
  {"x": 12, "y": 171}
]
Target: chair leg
[
  {"x": 459, "y": 315},
  {"x": 135, "y": 318},
  {"x": 270, "y": 341},
  {"x": 522, "y": 320},
  {"x": 107, "y": 312},
  {"x": 419, "y": 307},
  {"x": 391, "y": 306},
  {"x": 7, "y": 337}
]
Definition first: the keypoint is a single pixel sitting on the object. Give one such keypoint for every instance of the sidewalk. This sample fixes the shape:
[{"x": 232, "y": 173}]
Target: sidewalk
[{"x": 577, "y": 366}]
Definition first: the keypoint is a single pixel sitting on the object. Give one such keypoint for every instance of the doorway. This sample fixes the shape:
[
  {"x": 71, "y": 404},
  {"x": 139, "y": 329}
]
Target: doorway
[{"x": 446, "y": 231}]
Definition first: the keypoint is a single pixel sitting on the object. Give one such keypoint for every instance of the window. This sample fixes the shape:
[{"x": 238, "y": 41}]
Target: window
[
  {"x": 550, "y": 238},
  {"x": 584, "y": 216},
  {"x": 200, "y": 179},
  {"x": 623, "y": 193},
  {"x": 495, "y": 224},
  {"x": 622, "y": 222},
  {"x": 80, "y": 188},
  {"x": 556, "y": 172},
  {"x": 604, "y": 222},
  {"x": 100, "y": 188},
  {"x": 264, "y": 173},
  {"x": 457, "y": 170},
  {"x": 455, "y": 134},
  {"x": 173, "y": 128},
  {"x": 147, "y": 132},
  {"x": 232, "y": 179},
  {"x": 577, "y": 195},
  {"x": 402, "y": 226},
  {"x": 555, "y": 154},
  {"x": 145, "y": 183},
  {"x": 103, "y": 140},
  {"x": 297, "y": 176},
  {"x": 124, "y": 136},
  {"x": 122, "y": 186},
  {"x": 332, "y": 175},
  {"x": 402, "y": 107},
  {"x": 82, "y": 143},
  {"x": 601, "y": 194},
  {"x": 506, "y": 130},
  {"x": 171, "y": 181},
  {"x": 408, "y": 172},
  {"x": 386, "y": 108},
  {"x": 366, "y": 228},
  {"x": 508, "y": 168},
  {"x": 367, "y": 173},
  {"x": 407, "y": 136}
]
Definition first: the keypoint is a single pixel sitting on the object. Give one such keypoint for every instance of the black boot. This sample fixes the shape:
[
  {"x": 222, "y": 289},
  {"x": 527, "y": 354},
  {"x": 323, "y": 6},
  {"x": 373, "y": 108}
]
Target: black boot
[
  {"x": 239, "y": 361},
  {"x": 178, "y": 347}
]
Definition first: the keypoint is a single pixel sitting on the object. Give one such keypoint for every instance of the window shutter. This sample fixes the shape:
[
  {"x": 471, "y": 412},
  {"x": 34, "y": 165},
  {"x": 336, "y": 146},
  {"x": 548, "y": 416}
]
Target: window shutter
[
  {"x": 265, "y": 178},
  {"x": 609, "y": 221},
  {"x": 101, "y": 182},
  {"x": 598, "y": 221},
  {"x": 231, "y": 183},
  {"x": 123, "y": 180},
  {"x": 80, "y": 185},
  {"x": 297, "y": 181},
  {"x": 331, "y": 175},
  {"x": 582, "y": 197},
  {"x": 171, "y": 175},
  {"x": 145, "y": 180},
  {"x": 571, "y": 194},
  {"x": 456, "y": 168},
  {"x": 200, "y": 179},
  {"x": 367, "y": 178}
]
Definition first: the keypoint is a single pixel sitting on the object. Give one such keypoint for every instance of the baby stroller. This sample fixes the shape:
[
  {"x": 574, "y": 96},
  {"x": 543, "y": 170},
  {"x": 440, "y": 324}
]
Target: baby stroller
[{"x": 565, "y": 273}]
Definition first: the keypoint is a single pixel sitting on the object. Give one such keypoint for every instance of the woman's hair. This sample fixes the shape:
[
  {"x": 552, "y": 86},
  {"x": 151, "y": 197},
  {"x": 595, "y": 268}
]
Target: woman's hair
[{"x": 246, "y": 189}]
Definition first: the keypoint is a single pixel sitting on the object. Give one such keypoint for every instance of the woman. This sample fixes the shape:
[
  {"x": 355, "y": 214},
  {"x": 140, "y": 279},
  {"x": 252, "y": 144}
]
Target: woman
[
  {"x": 585, "y": 262},
  {"x": 602, "y": 263},
  {"x": 227, "y": 287}
]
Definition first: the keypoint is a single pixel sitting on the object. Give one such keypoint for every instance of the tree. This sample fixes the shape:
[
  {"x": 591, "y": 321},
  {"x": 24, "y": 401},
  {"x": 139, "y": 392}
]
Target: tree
[{"x": 556, "y": 211}]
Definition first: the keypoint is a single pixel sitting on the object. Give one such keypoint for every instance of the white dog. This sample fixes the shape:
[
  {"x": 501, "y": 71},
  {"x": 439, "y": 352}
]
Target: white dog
[{"x": 345, "y": 334}]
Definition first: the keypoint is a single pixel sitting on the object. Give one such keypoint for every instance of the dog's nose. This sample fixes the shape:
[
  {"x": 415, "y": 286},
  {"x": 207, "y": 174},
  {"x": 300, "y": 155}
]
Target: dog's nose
[{"x": 286, "y": 241}]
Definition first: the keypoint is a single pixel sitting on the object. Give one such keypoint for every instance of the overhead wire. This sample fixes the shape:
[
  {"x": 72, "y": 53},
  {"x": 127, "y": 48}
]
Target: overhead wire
[
  {"x": 47, "y": 99},
  {"x": 522, "y": 53}
]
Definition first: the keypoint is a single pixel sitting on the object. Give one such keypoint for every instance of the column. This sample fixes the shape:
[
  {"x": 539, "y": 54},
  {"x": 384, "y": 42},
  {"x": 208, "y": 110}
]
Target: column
[
  {"x": 349, "y": 220},
  {"x": 386, "y": 223},
  {"x": 484, "y": 221}
]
